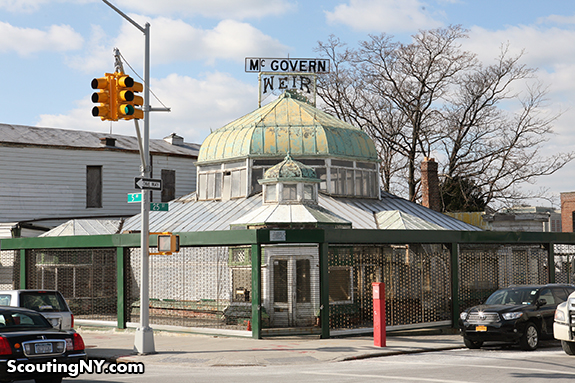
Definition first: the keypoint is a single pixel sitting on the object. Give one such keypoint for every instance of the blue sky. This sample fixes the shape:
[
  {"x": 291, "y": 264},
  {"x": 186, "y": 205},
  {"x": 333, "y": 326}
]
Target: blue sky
[{"x": 51, "y": 49}]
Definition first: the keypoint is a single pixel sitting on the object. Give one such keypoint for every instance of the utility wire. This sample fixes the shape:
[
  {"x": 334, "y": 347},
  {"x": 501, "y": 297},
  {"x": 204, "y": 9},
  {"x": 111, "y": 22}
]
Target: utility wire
[{"x": 141, "y": 79}]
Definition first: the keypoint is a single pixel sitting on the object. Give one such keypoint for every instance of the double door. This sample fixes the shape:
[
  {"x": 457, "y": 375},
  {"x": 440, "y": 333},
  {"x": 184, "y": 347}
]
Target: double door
[{"x": 292, "y": 295}]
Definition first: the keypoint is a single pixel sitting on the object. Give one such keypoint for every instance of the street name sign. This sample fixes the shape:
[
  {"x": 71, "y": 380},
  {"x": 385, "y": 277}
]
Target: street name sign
[
  {"x": 134, "y": 197},
  {"x": 147, "y": 183},
  {"x": 159, "y": 206},
  {"x": 257, "y": 64}
]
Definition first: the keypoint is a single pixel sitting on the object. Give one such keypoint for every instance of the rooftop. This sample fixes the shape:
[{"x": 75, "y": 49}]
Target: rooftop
[
  {"x": 287, "y": 125},
  {"x": 78, "y": 139}
]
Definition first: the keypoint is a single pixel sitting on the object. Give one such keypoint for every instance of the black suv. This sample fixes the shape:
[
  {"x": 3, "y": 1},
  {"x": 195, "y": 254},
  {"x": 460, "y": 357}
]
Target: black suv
[{"x": 517, "y": 314}]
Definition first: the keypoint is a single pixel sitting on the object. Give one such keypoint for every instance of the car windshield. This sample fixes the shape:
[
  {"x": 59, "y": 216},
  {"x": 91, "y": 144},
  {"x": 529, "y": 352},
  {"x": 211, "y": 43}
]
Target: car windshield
[
  {"x": 515, "y": 296},
  {"x": 43, "y": 301},
  {"x": 14, "y": 321}
]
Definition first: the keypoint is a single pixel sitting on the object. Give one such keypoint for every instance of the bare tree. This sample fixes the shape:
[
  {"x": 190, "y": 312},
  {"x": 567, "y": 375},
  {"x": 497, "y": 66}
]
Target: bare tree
[{"x": 431, "y": 96}]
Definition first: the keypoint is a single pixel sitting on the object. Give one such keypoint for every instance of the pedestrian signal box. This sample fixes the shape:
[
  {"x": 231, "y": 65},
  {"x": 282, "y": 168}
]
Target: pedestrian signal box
[{"x": 168, "y": 243}]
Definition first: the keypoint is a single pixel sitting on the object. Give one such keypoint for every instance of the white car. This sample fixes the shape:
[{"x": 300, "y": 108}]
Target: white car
[
  {"x": 564, "y": 324},
  {"x": 50, "y": 303}
]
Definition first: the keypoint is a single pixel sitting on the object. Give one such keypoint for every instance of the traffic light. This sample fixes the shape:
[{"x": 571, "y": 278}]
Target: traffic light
[
  {"x": 124, "y": 95},
  {"x": 106, "y": 97},
  {"x": 127, "y": 100},
  {"x": 168, "y": 243},
  {"x": 138, "y": 100}
]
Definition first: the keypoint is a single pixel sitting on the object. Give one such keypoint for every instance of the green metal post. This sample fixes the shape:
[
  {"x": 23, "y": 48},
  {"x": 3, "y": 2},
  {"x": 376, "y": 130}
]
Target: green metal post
[
  {"x": 455, "y": 284},
  {"x": 121, "y": 286},
  {"x": 324, "y": 290},
  {"x": 23, "y": 269},
  {"x": 551, "y": 261},
  {"x": 256, "y": 291}
]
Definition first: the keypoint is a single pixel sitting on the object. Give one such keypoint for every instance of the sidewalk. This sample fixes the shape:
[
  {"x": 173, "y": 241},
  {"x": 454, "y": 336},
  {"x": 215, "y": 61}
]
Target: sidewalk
[{"x": 204, "y": 350}]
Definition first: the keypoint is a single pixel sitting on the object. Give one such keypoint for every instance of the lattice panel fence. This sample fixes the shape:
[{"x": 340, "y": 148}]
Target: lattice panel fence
[
  {"x": 85, "y": 277},
  {"x": 564, "y": 263},
  {"x": 416, "y": 278},
  {"x": 196, "y": 287},
  {"x": 486, "y": 268},
  {"x": 9, "y": 275}
]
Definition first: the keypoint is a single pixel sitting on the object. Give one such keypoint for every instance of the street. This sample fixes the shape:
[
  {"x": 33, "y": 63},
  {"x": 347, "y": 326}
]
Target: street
[{"x": 508, "y": 364}]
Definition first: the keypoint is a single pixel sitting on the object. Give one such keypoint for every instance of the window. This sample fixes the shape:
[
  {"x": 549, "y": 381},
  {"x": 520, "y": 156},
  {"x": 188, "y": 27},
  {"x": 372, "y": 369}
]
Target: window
[
  {"x": 289, "y": 192},
  {"x": 303, "y": 285},
  {"x": 271, "y": 193},
  {"x": 168, "y": 185},
  {"x": 308, "y": 192},
  {"x": 93, "y": 186},
  {"x": 280, "y": 275}
]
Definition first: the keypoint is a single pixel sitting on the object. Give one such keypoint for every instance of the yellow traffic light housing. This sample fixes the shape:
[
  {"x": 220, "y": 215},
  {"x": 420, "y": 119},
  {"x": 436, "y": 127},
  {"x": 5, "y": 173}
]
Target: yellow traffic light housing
[
  {"x": 124, "y": 95},
  {"x": 168, "y": 243},
  {"x": 137, "y": 101},
  {"x": 106, "y": 97}
]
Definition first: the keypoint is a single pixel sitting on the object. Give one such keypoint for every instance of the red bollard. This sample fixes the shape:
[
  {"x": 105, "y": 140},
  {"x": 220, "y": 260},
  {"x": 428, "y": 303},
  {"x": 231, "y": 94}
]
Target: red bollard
[{"x": 378, "y": 314}]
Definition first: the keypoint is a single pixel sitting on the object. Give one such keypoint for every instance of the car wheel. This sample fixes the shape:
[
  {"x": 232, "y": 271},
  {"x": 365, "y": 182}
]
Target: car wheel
[
  {"x": 530, "y": 339},
  {"x": 568, "y": 347},
  {"x": 472, "y": 344}
]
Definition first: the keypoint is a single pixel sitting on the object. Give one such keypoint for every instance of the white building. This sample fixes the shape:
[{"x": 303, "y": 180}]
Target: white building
[{"x": 48, "y": 176}]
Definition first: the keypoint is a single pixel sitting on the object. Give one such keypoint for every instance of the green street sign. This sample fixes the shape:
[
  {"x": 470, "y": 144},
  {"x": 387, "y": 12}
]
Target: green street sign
[
  {"x": 158, "y": 206},
  {"x": 134, "y": 197}
]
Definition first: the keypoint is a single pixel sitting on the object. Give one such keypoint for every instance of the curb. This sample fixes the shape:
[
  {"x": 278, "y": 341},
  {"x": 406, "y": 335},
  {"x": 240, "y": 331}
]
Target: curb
[{"x": 398, "y": 352}]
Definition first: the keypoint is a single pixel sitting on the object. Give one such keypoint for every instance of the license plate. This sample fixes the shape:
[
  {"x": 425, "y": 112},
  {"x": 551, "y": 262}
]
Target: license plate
[
  {"x": 43, "y": 348},
  {"x": 481, "y": 328}
]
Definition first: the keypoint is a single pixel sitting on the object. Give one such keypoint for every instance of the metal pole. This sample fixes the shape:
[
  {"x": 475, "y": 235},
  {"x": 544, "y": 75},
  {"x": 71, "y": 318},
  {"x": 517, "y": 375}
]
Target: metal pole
[{"x": 144, "y": 341}]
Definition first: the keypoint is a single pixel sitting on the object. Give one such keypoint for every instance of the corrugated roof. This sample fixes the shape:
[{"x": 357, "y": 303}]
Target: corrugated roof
[
  {"x": 36, "y": 136},
  {"x": 298, "y": 214},
  {"x": 85, "y": 227},
  {"x": 188, "y": 215},
  {"x": 398, "y": 220}
]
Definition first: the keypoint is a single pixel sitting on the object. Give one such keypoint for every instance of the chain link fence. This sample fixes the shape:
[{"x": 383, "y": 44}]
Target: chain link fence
[
  {"x": 564, "y": 263},
  {"x": 85, "y": 277},
  {"x": 210, "y": 287},
  {"x": 417, "y": 282},
  {"x": 196, "y": 287},
  {"x": 486, "y": 268},
  {"x": 9, "y": 270}
]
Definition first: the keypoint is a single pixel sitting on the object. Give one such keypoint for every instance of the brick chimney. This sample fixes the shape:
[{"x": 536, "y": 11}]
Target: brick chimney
[
  {"x": 430, "y": 184},
  {"x": 568, "y": 212}
]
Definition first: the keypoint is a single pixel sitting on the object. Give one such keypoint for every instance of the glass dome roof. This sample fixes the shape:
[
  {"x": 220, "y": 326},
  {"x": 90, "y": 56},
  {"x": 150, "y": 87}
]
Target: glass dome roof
[{"x": 287, "y": 125}]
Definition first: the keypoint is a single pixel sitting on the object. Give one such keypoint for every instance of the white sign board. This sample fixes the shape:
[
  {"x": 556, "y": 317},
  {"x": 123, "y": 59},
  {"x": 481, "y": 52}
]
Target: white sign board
[{"x": 282, "y": 65}]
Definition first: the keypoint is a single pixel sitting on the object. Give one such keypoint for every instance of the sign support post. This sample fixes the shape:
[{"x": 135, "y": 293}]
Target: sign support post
[{"x": 144, "y": 339}]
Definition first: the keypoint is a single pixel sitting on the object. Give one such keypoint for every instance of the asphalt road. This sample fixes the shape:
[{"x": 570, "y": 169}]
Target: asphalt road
[{"x": 504, "y": 364}]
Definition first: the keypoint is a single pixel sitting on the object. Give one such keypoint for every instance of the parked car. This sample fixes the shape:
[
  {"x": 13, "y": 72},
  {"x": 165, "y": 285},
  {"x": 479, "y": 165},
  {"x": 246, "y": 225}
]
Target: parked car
[
  {"x": 27, "y": 340},
  {"x": 517, "y": 314},
  {"x": 49, "y": 303},
  {"x": 564, "y": 325}
]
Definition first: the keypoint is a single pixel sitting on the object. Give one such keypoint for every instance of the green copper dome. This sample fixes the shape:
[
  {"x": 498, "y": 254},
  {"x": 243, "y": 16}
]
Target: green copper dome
[
  {"x": 290, "y": 170},
  {"x": 287, "y": 125}
]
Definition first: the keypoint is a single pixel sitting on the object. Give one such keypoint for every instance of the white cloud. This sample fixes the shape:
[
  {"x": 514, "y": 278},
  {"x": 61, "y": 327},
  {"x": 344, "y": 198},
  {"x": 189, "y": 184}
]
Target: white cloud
[
  {"x": 29, "y": 6},
  {"x": 26, "y": 41},
  {"x": 197, "y": 106},
  {"x": 213, "y": 8},
  {"x": 543, "y": 46},
  {"x": 21, "y": 5},
  {"x": 389, "y": 16},
  {"x": 177, "y": 41},
  {"x": 99, "y": 56}
]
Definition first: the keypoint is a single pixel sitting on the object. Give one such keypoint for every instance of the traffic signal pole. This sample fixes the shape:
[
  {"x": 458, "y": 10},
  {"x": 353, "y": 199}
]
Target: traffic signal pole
[{"x": 144, "y": 339}]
